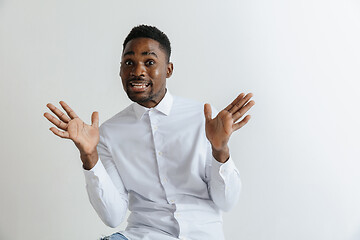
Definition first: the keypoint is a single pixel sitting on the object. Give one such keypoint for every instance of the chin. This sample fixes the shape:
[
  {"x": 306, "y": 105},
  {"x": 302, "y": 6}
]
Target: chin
[{"x": 140, "y": 98}]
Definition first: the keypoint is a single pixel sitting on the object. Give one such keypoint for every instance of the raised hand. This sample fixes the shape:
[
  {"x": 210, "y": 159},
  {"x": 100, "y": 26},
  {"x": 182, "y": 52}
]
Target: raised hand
[
  {"x": 85, "y": 137},
  {"x": 219, "y": 129}
]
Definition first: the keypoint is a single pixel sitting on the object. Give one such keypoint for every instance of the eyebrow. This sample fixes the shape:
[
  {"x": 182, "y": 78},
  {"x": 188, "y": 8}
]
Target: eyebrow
[{"x": 143, "y": 53}]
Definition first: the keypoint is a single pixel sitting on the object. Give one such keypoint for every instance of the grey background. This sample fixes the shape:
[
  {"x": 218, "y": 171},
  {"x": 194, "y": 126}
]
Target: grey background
[{"x": 298, "y": 156}]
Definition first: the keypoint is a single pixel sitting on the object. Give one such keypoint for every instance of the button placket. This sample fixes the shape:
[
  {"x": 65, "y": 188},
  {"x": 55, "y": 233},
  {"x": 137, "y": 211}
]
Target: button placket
[{"x": 154, "y": 119}]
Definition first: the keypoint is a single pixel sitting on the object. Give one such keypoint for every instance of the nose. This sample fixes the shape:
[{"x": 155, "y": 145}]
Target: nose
[{"x": 138, "y": 70}]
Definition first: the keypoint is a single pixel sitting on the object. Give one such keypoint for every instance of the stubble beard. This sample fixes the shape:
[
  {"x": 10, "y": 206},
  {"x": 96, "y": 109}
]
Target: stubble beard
[
  {"x": 143, "y": 99},
  {"x": 150, "y": 96}
]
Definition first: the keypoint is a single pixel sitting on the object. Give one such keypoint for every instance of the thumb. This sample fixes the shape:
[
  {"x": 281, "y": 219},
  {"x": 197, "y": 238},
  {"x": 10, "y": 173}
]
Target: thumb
[
  {"x": 207, "y": 112},
  {"x": 95, "y": 119}
]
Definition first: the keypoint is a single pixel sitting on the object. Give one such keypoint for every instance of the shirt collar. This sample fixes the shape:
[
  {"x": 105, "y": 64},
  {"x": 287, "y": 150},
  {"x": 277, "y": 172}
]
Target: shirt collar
[{"x": 164, "y": 106}]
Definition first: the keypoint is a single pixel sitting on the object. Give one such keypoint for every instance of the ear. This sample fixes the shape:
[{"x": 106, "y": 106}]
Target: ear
[{"x": 170, "y": 69}]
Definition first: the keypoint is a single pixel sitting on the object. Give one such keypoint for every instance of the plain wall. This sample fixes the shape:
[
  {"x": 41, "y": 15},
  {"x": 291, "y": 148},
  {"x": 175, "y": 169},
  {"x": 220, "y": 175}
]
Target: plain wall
[{"x": 298, "y": 156}]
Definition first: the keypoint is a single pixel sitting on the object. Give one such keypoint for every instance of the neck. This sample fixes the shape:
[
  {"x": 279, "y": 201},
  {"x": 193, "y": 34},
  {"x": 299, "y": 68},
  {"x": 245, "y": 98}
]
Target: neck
[{"x": 151, "y": 103}]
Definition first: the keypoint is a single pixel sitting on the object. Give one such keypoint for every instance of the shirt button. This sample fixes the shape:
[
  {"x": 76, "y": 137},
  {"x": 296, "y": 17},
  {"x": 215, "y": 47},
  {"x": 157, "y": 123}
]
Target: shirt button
[
  {"x": 172, "y": 201},
  {"x": 155, "y": 128},
  {"x": 160, "y": 153}
]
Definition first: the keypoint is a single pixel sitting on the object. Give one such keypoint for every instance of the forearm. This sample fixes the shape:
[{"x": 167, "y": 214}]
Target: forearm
[
  {"x": 89, "y": 159},
  {"x": 221, "y": 155},
  {"x": 225, "y": 184},
  {"x": 109, "y": 203}
]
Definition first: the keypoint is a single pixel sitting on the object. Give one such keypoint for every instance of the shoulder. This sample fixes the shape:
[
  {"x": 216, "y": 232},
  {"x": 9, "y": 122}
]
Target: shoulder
[
  {"x": 122, "y": 117},
  {"x": 186, "y": 110},
  {"x": 181, "y": 103},
  {"x": 191, "y": 106}
]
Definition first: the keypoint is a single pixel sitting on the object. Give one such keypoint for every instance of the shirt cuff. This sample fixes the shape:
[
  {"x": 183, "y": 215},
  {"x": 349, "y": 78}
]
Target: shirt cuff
[
  {"x": 221, "y": 171},
  {"x": 96, "y": 173}
]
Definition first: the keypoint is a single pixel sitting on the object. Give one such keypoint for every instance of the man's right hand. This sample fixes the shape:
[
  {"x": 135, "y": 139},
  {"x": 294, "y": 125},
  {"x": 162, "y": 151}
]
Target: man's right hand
[{"x": 86, "y": 137}]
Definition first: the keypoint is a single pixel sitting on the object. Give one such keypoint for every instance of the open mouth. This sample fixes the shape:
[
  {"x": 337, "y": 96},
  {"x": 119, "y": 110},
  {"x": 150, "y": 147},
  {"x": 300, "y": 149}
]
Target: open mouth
[{"x": 139, "y": 86}]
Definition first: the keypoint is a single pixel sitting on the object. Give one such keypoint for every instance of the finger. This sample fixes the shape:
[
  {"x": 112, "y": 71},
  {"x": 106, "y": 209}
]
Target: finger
[
  {"x": 240, "y": 124},
  {"x": 59, "y": 133},
  {"x": 95, "y": 119},
  {"x": 68, "y": 110},
  {"x": 238, "y": 98},
  {"x": 58, "y": 113},
  {"x": 55, "y": 121},
  {"x": 207, "y": 112},
  {"x": 236, "y": 116},
  {"x": 240, "y": 103}
]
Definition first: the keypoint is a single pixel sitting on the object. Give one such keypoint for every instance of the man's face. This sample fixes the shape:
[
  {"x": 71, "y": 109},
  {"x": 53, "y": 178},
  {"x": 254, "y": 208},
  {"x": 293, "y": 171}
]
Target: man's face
[{"x": 144, "y": 69}]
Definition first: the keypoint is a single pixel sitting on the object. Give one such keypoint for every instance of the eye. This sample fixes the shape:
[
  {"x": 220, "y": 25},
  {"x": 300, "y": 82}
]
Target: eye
[
  {"x": 128, "y": 62},
  {"x": 150, "y": 62}
]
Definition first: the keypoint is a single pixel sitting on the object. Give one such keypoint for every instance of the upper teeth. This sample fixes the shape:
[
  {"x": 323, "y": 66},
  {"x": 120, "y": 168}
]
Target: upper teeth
[{"x": 139, "y": 84}]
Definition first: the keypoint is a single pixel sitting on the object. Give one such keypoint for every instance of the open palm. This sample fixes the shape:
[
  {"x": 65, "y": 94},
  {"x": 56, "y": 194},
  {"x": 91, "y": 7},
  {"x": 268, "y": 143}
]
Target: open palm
[
  {"x": 219, "y": 129},
  {"x": 85, "y": 137}
]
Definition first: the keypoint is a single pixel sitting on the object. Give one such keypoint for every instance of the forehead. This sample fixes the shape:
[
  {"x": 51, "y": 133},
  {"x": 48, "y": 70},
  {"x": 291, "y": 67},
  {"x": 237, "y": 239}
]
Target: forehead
[{"x": 138, "y": 46}]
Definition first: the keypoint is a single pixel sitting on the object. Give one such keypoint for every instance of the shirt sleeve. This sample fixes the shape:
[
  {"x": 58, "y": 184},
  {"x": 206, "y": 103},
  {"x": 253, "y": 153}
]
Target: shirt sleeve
[
  {"x": 224, "y": 185},
  {"x": 223, "y": 179},
  {"x": 105, "y": 188}
]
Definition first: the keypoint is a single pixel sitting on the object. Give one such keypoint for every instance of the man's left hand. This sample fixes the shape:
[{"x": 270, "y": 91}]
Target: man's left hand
[{"x": 219, "y": 129}]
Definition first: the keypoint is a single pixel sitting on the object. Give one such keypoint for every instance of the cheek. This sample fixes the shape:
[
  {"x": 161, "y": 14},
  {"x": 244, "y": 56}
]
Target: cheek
[
  {"x": 122, "y": 77},
  {"x": 159, "y": 74},
  {"x": 155, "y": 73},
  {"x": 122, "y": 72}
]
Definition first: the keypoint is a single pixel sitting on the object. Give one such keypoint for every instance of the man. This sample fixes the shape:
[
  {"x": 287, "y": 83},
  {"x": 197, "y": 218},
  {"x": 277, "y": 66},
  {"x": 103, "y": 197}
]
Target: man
[{"x": 164, "y": 158}]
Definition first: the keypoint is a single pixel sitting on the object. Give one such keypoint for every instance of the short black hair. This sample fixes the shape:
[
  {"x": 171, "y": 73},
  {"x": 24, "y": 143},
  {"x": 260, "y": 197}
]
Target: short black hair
[{"x": 145, "y": 31}]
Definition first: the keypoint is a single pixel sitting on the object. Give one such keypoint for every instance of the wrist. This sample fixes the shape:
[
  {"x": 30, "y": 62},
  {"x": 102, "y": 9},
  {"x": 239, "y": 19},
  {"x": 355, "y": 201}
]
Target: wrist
[
  {"x": 221, "y": 155},
  {"x": 89, "y": 159}
]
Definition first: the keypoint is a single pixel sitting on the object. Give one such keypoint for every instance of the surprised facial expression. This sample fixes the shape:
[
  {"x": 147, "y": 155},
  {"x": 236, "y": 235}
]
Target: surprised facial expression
[{"x": 144, "y": 69}]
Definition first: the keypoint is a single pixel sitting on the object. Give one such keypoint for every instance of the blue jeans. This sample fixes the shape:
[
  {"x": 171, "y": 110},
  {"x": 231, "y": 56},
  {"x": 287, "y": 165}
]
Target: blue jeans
[{"x": 115, "y": 236}]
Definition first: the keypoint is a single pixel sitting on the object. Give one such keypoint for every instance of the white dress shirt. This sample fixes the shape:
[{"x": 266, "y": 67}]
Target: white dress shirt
[{"x": 158, "y": 163}]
